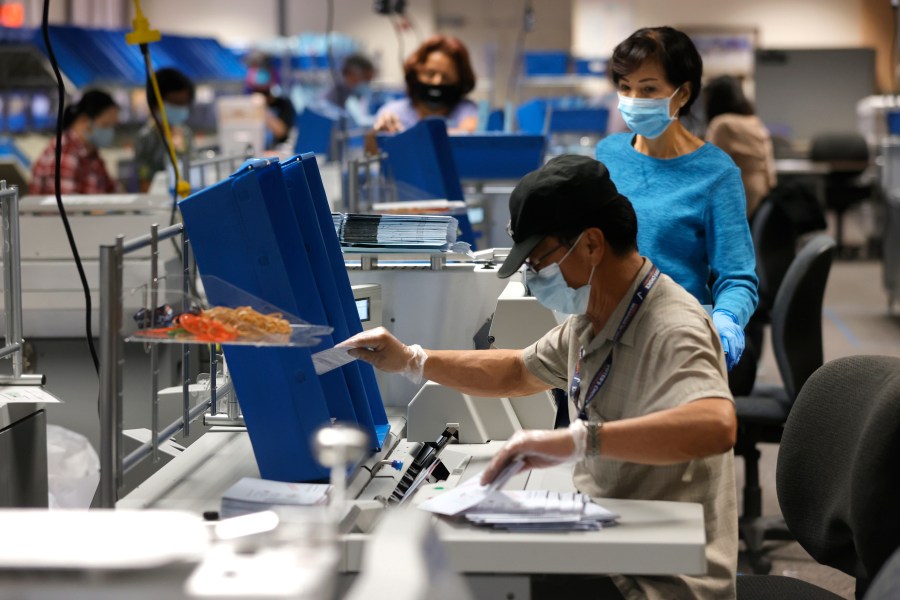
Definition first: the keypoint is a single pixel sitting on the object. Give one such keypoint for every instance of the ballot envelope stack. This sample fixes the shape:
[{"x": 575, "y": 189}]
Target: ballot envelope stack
[
  {"x": 540, "y": 510},
  {"x": 251, "y": 495},
  {"x": 413, "y": 232},
  {"x": 521, "y": 510}
]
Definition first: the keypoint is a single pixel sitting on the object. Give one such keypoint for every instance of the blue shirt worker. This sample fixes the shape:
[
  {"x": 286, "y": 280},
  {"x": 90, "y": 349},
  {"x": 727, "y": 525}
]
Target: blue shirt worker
[
  {"x": 639, "y": 356},
  {"x": 688, "y": 194}
]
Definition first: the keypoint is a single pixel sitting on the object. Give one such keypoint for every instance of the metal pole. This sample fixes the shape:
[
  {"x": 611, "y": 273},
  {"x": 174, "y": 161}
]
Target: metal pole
[
  {"x": 213, "y": 368},
  {"x": 110, "y": 364},
  {"x": 186, "y": 349},
  {"x": 143, "y": 450},
  {"x": 154, "y": 348},
  {"x": 12, "y": 288},
  {"x": 12, "y": 273},
  {"x": 353, "y": 186}
]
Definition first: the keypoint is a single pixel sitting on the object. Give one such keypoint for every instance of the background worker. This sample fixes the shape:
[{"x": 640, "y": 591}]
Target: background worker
[
  {"x": 150, "y": 152},
  {"x": 88, "y": 125}
]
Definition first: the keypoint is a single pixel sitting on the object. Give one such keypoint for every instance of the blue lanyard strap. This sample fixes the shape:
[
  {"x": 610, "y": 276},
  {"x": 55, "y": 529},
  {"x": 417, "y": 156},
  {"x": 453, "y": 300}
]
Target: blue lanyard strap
[{"x": 603, "y": 372}]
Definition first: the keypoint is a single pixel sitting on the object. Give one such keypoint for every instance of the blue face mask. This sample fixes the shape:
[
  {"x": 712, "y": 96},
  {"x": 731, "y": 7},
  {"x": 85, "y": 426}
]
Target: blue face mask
[
  {"x": 648, "y": 117},
  {"x": 176, "y": 115},
  {"x": 550, "y": 288},
  {"x": 102, "y": 137},
  {"x": 361, "y": 89}
]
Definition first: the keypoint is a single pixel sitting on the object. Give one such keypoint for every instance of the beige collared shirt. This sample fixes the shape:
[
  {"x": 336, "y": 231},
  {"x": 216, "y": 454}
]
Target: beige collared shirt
[{"x": 670, "y": 355}]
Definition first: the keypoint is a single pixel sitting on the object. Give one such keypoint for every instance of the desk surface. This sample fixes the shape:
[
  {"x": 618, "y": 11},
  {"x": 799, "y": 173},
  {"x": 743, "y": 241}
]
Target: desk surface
[{"x": 652, "y": 537}]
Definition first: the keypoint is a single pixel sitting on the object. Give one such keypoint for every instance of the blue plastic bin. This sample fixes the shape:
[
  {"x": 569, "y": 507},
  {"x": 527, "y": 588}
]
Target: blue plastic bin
[
  {"x": 893, "y": 122},
  {"x": 549, "y": 62},
  {"x": 590, "y": 67}
]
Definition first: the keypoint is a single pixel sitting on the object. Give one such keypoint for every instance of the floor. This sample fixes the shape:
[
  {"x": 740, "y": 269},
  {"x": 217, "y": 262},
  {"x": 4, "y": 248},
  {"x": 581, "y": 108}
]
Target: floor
[{"x": 856, "y": 321}]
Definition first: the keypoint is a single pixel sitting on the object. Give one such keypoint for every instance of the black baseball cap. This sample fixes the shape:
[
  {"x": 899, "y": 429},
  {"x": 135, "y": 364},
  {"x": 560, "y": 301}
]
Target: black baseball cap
[{"x": 560, "y": 196}]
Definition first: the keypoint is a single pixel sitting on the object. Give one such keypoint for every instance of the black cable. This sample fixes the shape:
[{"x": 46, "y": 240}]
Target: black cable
[{"x": 57, "y": 180}]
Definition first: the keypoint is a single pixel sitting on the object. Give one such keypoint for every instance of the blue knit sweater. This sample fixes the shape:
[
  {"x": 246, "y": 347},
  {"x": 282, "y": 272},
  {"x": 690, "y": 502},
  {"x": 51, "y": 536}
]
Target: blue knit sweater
[{"x": 692, "y": 220}]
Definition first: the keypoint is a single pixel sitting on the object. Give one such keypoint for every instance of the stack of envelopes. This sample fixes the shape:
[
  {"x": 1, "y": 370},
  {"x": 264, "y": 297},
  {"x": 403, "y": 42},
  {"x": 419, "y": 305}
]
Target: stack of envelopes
[{"x": 413, "y": 232}]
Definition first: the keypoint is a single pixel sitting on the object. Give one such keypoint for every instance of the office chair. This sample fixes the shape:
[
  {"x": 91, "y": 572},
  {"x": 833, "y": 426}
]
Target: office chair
[
  {"x": 836, "y": 479},
  {"x": 797, "y": 343},
  {"x": 847, "y": 155},
  {"x": 886, "y": 585}
]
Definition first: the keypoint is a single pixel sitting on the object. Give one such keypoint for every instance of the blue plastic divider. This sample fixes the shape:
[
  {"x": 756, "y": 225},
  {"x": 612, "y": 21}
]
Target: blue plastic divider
[
  {"x": 342, "y": 286},
  {"x": 234, "y": 239},
  {"x": 497, "y": 155},
  {"x": 561, "y": 115},
  {"x": 334, "y": 303},
  {"x": 421, "y": 162},
  {"x": 315, "y": 132},
  {"x": 893, "y": 122}
]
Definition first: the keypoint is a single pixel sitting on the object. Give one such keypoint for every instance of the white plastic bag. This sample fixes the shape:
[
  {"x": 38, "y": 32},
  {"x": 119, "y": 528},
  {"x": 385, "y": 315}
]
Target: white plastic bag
[{"x": 73, "y": 468}]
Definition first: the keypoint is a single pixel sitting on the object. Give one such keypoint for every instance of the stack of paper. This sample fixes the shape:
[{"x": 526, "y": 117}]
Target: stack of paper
[
  {"x": 338, "y": 220},
  {"x": 396, "y": 231},
  {"x": 251, "y": 495},
  {"x": 525, "y": 510}
]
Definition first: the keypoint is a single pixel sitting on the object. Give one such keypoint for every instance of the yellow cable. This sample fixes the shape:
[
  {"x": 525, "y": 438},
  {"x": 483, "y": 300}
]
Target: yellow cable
[{"x": 142, "y": 34}]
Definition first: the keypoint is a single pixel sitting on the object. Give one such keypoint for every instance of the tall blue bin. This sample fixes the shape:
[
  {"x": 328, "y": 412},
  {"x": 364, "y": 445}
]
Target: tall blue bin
[
  {"x": 342, "y": 282},
  {"x": 259, "y": 231}
]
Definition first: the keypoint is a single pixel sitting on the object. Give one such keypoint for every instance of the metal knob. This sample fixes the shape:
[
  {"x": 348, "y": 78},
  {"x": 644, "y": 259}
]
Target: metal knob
[{"x": 340, "y": 445}]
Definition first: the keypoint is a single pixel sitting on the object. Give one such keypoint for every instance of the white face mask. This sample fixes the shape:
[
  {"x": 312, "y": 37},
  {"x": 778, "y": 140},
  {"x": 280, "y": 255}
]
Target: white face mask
[
  {"x": 648, "y": 117},
  {"x": 550, "y": 288}
]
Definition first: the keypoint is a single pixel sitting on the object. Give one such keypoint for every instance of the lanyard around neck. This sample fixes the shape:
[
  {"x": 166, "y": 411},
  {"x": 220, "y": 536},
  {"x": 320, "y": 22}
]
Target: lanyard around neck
[{"x": 603, "y": 372}]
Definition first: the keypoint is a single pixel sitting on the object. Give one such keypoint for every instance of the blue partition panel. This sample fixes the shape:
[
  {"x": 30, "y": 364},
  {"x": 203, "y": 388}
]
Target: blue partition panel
[
  {"x": 421, "y": 162},
  {"x": 497, "y": 155},
  {"x": 336, "y": 266},
  {"x": 304, "y": 287},
  {"x": 315, "y": 132},
  {"x": 233, "y": 238}
]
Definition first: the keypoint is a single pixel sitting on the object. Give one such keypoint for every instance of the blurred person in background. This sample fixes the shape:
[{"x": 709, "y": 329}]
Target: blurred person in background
[
  {"x": 357, "y": 73},
  {"x": 88, "y": 125},
  {"x": 735, "y": 128},
  {"x": 150, "y": 152},
  {"x": 438, "y": 77},
  {"x": 280, "y": 116}
]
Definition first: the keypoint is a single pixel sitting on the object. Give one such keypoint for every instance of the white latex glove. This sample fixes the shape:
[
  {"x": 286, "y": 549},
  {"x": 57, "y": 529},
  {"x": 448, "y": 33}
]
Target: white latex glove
[
  {"x": 539, "y": 449},
  {"x": 385, "y": 352}
]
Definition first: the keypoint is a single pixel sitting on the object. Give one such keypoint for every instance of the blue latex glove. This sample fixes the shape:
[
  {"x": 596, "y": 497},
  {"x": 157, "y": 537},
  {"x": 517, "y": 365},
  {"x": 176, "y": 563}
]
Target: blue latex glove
[{"x": 731, "y": 334}]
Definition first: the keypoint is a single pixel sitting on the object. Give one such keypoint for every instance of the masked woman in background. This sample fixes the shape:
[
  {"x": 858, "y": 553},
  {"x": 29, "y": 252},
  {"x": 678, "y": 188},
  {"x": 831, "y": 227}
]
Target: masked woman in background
[
  {"x": 87, "y": 126},
  {"x": 687, "y": 193},
  {"x": 438, "y": 77}
]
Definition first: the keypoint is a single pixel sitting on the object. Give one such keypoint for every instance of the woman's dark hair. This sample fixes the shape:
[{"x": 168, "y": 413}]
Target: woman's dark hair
[
  {"x": 724, "y": 95},
  {"x": 450, "y": 46},
  {"x": 169, "y": 80},
  {"x": 92, "y": 104},
  {"x": 357, "y": 62},
  {"x": 672, "y": 49}
]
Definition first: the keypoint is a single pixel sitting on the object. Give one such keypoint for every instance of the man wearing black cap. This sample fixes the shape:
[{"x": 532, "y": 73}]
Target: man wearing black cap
[{"x": 639, "y": 357}]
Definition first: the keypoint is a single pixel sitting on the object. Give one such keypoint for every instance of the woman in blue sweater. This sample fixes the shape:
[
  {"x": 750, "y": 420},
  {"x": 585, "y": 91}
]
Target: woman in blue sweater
[{"x": 687, "y": 193}]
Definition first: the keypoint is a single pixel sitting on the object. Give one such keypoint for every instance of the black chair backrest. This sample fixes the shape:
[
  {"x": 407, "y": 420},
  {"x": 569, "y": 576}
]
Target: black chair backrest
[
  {"x": 775, "y": 244},
  {"x": 797, "y": 314},
  {"x": 887, "y": 584},
  {"x": 838, "y": 465},
  {"x": 837, "y": 147}
]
